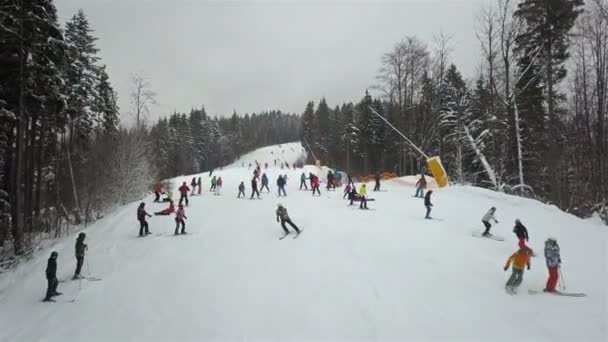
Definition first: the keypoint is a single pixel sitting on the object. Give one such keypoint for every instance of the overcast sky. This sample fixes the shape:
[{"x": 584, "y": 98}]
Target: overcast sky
[{"x": 251, "y": 56}]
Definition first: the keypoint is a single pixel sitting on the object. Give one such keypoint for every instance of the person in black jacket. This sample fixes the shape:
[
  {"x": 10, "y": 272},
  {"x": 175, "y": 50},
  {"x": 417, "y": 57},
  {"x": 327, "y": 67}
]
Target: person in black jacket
[
  {"x": 377, "y": 179},
  {"x": 522, "y": 234},
  {"x": 51, "y": 277},
  {"x": 81, "y": 248},
  {"x": 281, "y": 185},
  {"x": 141, "y": 217},
  {"x": 254, "y": 187},
  {"x": 241, "y": 190},
  {"x": 428, "y": 204}
]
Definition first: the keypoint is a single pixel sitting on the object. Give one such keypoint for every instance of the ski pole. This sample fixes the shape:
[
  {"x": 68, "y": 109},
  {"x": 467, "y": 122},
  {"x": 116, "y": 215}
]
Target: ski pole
[
  {"x": 88, "y": 269},
  {"x": 562, "y": 281}
]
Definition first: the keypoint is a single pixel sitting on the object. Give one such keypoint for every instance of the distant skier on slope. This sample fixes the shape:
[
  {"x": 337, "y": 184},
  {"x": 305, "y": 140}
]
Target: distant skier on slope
[
  {"x": 157, "y": 191},
  {"x": 51, "y": 278},
  {"x": 254, "y": 188},
  {"x": 428, "y": 204},
  {"x": 346, "y": 192},
  {"x": 80, "y": 249},
  {"x": 281, "y": 185},
  {"x": 520, "y": 260},
  {"x": 363, "y": 197},
  {"x": 180, "y": 216},
  {"x": 553, "y": 260},
  {"x": 193, "y": 184},
  {"x": 330, "y": 180},
  {"x": 183, "y": 190},
  {"x": 284, "y": 218},
  {"x": 490, "y": 215},
  {"x": 241, "y": 190},
  {"x": 200, "y": 185},
  {"x": 311, "y": 178},
  {"x": 141, "y": 217},
  {"x": 166, "y": 211},
  {"x": 218, "y": 186},
  {"x": 315, "y": 186},
  {"x": 213, "y": 184},
  {"x": 377, "y": 179},
  {"x": 522, "y": 234},
  {"x": 264, "y": 183},
  {"x": 420, "y": 186},
  {"x": 303, "y": 181}
]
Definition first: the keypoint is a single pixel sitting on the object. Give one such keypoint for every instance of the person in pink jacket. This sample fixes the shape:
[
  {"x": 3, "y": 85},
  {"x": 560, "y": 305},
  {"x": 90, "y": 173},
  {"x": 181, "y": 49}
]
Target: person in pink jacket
[{"x": 180, "y": 216}]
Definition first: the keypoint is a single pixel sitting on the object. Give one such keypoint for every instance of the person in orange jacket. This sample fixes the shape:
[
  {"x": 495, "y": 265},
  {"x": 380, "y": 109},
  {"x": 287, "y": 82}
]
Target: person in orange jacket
[{"x": 520, "y": 260}]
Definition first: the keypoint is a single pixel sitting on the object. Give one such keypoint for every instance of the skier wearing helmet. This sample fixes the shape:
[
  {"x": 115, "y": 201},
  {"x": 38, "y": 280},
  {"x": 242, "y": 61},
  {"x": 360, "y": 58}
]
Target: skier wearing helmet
[
  {"x": 284, "y": 218},
  {"x": 522, "y": 234},
  {"x": 51, "y": 277},
  {"x": 81, "y": 248},
  {"x": 490, "y": 215}
]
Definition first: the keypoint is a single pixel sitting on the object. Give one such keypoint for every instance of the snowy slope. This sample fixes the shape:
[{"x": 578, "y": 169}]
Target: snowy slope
[{"x": 384, "y": 274}]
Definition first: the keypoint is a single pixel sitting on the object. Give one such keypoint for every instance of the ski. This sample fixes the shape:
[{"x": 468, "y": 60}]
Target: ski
[
  {"x": 282, "y": 237},
  {"x": 491, "y": 237},
  {"x": 558, "y": 293},
  {"x": 298, "y": 234}
]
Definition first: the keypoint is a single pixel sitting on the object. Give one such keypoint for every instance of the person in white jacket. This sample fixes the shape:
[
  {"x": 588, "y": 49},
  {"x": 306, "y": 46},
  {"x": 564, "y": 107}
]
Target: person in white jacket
[{"x": 490, "y": 215}]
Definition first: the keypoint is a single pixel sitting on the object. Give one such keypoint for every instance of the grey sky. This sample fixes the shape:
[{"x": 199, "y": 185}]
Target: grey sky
[{"x": 250, "y": 56}]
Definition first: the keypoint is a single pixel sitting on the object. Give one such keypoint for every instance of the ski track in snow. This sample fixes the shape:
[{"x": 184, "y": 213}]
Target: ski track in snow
[{"x": 384, "y": 275}]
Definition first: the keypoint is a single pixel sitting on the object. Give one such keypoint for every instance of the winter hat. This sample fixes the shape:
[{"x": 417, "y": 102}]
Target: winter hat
[
  {"x": 517, "y": 221},
  {"x": 82, "y": 235},
  {"x": 280, "y": 205},
  {"x": 54, "y": 254}
]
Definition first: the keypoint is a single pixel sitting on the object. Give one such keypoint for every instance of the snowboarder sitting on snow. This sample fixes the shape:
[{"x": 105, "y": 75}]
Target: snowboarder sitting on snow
[
  {"x": 141, "y": 217},
  {"x": 241, "y": 190},
  {"x": 363, "y": 196},
  {"x": 490, "y": 215},
  {"x": 157, "y": 191},
  {"x": 428, "y": 204},
  {"x": 180, "y": 215},
  {"x": 522, "y": 234},
  {"x": 284, "y": 218},
  {"x": 264, "y": 182},
  {"x": 213, "y": 184},
  {"x": 167, "y": 211},
  {"x": 346, "y": 192},
  {"x": 420, "y": 186},
  {"x": 303, "y": 181},
  {"x": 553, "y": 260},
  {"x": 377, "y": 179},
  {"x": 254, "y": 188},
  {"x": 81, "y": 248},
  {"x": 520, "y": 260},
  {"x": 51, "y": 277},
  {"x": 281, "y": 185}
]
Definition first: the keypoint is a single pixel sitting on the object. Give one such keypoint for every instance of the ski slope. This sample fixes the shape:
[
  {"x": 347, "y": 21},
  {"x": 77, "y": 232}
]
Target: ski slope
[{"x": 385, "y": 274}]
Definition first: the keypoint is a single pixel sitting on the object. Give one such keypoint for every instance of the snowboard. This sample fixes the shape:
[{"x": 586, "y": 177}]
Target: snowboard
[
  {"x": 558, "y": 293},
  {"x": 492, "y": 237}
]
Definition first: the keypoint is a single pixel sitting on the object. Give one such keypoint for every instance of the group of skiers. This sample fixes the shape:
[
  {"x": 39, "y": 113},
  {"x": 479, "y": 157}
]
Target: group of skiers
[{"x": 51, "y": 268}]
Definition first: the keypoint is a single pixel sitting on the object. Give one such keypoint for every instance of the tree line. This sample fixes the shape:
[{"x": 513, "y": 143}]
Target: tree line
[{"x": 532, "y": 121}]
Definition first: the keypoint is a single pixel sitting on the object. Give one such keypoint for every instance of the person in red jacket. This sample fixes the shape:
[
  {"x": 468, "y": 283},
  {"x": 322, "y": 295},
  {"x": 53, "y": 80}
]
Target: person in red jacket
[
  {"x": 141, "y": 217},
  {"x": 167, "y": 211},
  {"x": 180, "y": 215},
  {"x": 315, "y": 186},
  {"x": 157, "y": 191},
  {"x": 184, "y": 190}
]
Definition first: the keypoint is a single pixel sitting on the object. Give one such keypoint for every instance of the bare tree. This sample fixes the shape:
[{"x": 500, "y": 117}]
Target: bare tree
[
  {"x": 442, "y": 53},
  {"x": 142, "y": 97}
]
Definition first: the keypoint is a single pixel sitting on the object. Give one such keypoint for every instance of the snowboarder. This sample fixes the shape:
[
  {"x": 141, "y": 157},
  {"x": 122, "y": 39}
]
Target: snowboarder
[
  {"x": 377, "y": 179},
  {"x": 522, "y": 234},
  {"x": 254, "y": 188},
  {"x": 420, "y": 186},
  {"x": 553, "y": 259},
  {"x": 180, "y": 215},
  {"x": 183, "y": 190},
  {"x": 141, "y": 217},
  {"x": 218, "y": 186},
  {"x": 264, "y": 183},
  {"x": 303, "y": 181},
  {"x": 193, "y": 184},
  {"x": 363, "y": 197},
  {"x": 81, "y": 248},
  {"x": 284, "y": 218},
  {"x": 213, "y": 184},
  {"x": 490, "y": 215},
  {"x": 281, "y": 185},
  {"x": 346, "y": 191},
  {"x": 330, "y": 180},
  {"x": 428, "y": 204},
  {"x": 51, "y": 278},
  {"x": 200, "y": 185},
  {"x": 241, "y": 190},
  {"x": 166, "y": 211},
  {"x": 157, "y": 191},
  {"x": 520, "y": 260},
  {"x": 315, "y": 186}
]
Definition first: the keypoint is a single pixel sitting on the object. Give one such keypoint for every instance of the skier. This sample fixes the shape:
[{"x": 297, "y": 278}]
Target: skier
[
  {"x": 522, "y": 234},
  {"x": 553, "y": 260},
  {"x": 284, "y": 217},
  {"x": 157, "y": 191},
  {"x": 167, "y": 211},
  {"x": 81, "y": 248},
  {"x": 363, "y": 195},
  {"x": 428, "y": 204},
  {"x": 303, "y": 181},
  {"x": 377, "y": 179},
  {"x": 241, "y": 190},
  {"x": 490, "y": 215},
  {"x": 183, "y": 190},
  {"x": 315, "y": 186},
  {"x": 520, "y": 260},
  {"x": 350, "y": 180},
  {"x": 338, "y": 179},
  {"x": 281, "y": 185},
  {"x": 352, "y": 196},
  {"x": 254, "y": 188},
  {"x": 141, "y": 217},
  {"x": 51, "y": 278},
  {"x": 200, "y": 185},
  {"x": 213, "y": 184},
  {"x": 193, "y": 184},
  {"x": 346, "y": 192},
  {"x": 180, "y": 215},
  {"x": 264, "y": 182},
  {"x": 420, "y": 186},
  {"x": 330, "y": 180},
  {"x": 311, "y": 178},
  {"x": 218, "y": 186}
]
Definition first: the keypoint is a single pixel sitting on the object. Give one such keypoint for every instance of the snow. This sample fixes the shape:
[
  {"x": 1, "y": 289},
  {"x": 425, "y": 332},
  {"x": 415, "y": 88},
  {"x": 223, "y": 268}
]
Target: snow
[{"x": 385, "y": 274}]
